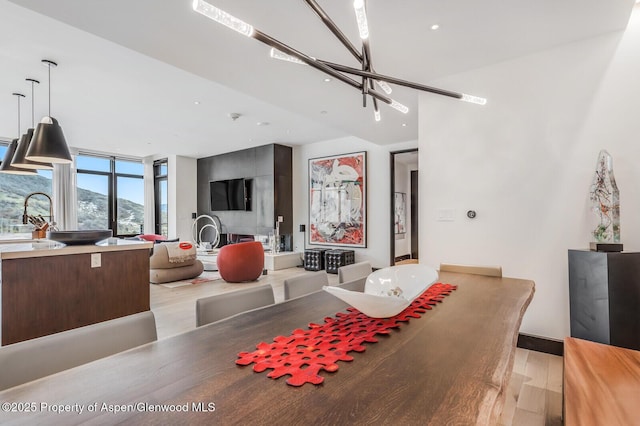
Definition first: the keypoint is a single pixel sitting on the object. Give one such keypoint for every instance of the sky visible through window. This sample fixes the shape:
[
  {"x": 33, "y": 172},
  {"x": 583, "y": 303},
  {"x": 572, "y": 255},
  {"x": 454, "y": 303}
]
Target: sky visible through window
[{"x": 96, "y": 183}]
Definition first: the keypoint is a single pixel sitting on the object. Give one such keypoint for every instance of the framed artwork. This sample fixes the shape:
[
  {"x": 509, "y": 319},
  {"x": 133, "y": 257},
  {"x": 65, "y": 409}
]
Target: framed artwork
[
  {"x": 400, "y": 212},
  {"x": 337, "y": 200}
]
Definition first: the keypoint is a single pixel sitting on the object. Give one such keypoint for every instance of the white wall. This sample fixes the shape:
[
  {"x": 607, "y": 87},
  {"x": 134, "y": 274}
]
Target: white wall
[
  {"x": 182, "y": 194},
  {"x": 378, "y": 193},
  {"x": 525, "y": 162}
]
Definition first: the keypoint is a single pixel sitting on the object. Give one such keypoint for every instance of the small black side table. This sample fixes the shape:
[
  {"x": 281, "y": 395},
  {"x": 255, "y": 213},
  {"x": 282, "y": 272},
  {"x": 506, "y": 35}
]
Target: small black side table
[{"x": 604, "y": 297}]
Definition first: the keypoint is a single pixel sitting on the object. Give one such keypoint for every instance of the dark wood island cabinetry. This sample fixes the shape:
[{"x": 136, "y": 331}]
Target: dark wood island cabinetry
[{"x": 52, "y": 290}]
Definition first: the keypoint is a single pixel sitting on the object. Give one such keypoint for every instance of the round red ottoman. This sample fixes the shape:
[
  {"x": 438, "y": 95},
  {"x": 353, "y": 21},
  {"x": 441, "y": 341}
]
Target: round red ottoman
[{"x": 241, "y": 262}]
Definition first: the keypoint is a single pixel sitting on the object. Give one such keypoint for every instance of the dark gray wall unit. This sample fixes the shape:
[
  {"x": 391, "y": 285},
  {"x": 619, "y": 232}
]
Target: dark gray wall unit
[
  {"x": 270, "y": 169},
  {"x": 604, "y": 297}
]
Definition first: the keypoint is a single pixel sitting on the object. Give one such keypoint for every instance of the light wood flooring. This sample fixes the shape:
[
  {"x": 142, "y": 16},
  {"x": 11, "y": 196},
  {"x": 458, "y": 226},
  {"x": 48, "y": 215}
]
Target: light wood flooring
[{"x": 534, "y": 394}]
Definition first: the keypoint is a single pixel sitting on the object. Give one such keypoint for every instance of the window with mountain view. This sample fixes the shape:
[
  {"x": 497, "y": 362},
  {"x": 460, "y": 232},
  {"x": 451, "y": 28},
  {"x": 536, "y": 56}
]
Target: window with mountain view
[
  {"x": 13, "y": 191},
  {"x": 161, "y": 176},
  {"x": 110, "y": 194}
]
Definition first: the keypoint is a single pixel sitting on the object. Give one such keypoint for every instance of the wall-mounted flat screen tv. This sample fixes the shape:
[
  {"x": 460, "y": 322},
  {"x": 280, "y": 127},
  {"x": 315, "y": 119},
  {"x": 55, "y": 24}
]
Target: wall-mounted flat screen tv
[{"x": 230, "y": 194}]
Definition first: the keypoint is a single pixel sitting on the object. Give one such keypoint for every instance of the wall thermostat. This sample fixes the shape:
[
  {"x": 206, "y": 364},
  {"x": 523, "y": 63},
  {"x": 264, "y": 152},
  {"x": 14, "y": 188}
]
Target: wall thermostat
[{"x": 471, "y": 214}]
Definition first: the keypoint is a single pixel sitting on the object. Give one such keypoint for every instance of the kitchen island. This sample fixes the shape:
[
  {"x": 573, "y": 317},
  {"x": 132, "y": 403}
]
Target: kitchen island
[{"x": 47, "y": 287}]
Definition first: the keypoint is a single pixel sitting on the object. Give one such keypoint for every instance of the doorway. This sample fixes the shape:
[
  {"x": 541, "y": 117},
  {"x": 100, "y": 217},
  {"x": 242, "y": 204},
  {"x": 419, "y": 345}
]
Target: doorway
[{"x": 404, "y": 206}]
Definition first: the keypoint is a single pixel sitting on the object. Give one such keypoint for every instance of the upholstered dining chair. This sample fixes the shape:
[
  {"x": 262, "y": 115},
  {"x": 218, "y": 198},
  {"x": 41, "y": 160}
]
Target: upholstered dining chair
[
  {"x": 304, "y": 284},
  {"x": 353, "y": 271},
  {"x": 32, "y": 359},
  {"x": 220, "y": 306},
  {"x": 490, "y": 271}
]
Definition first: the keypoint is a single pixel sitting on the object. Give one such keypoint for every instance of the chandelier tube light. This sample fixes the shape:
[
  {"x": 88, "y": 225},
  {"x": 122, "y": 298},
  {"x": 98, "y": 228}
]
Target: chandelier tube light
[
  {"x": 473, "y": 99},
  {"x": 367, "y": 74},
  {"x": 361, "y": 19},
  {"x": 276, "y": 54},
  {"x": 222, "y": 17},
  {"x": 384, "y": 86},
  {"x": 398, "y": 106}
]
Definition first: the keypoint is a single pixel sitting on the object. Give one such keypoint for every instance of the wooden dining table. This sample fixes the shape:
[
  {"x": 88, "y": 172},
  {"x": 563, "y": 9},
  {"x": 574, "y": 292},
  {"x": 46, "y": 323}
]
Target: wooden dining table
[{"x": 451, "y": 366}]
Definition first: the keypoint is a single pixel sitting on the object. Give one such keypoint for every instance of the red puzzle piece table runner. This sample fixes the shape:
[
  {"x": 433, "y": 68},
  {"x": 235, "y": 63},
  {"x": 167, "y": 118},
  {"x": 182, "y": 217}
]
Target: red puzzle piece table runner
[{"x": 304, "y": 353}]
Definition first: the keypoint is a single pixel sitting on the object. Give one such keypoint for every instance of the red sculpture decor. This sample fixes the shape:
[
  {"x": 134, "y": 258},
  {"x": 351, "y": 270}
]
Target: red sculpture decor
[{"x": 304, "y": 353}]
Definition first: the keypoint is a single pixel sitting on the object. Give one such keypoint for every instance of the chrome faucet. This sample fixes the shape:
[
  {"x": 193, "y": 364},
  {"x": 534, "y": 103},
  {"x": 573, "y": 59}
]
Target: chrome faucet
[{"x": 25, "y": 216}]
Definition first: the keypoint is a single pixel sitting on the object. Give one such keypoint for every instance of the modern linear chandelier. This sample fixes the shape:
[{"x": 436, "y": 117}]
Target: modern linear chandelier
[{"x": 369, "y": 77}]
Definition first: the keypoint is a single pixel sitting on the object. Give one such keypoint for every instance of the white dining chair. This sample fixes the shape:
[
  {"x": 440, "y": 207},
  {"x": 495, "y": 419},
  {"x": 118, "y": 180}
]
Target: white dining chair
[
  {"x": 490, "y": 271},
  {"x": 304, "y": 284},
  {"x": 32, "y": 359},
  {"x": 220, "y": 306},
  {"x": 353, "y": 271},
  {"x": 354, "y": 285}
]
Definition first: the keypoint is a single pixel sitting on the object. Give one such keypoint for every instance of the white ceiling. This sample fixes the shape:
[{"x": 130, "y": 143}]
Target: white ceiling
[{"x": 130, "y": 70}]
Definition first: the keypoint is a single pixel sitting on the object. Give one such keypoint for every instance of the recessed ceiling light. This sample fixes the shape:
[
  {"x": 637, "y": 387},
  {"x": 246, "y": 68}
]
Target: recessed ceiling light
[
  {"x": 326, "y": 80},
  {"x": 404, "y": 124},
  {"x": 196, "y": 102},
  {"x": 435, "y": 27},
  {"x": 262, "y": 123}
]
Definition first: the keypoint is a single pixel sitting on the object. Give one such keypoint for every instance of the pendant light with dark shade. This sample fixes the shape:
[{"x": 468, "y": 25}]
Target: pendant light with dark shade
[
  {"x": 19, "y": 159},
  {"x": 6, "y": 166},
  {"x": 48, "y": 143}
]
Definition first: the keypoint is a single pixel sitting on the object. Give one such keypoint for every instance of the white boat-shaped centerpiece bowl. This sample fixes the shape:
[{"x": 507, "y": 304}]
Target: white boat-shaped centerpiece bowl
[{"x": 388, "y": 291}]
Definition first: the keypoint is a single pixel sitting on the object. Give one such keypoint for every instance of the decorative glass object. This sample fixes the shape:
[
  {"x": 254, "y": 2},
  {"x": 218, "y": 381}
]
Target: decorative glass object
[
  {"x": 272, "y": 243},
  {"x": 276, "y": 238},
  {"x": 605, "y": 201}
]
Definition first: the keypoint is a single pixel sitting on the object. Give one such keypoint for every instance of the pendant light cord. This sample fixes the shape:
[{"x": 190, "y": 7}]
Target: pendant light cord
[
  {"x": 18, "y": 95},
  {"x": 49, "y": 64},
  {"x": 32, "y": 102},
  {"x": 33, "y": 96},
  {"x": 49, "y": 67}
]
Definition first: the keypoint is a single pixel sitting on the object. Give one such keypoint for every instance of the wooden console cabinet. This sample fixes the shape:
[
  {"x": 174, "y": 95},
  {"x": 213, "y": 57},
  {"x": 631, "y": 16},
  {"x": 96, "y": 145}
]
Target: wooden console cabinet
[{"x": 49, "y": 291}]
